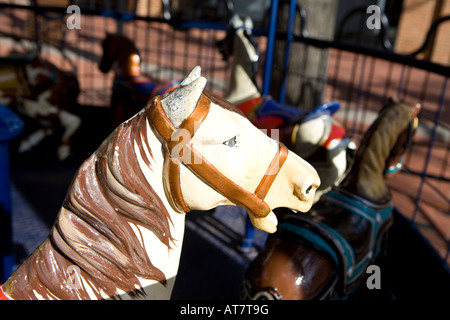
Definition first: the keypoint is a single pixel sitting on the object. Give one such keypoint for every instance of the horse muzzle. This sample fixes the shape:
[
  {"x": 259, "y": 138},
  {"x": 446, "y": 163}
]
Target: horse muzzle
[
  {"x": 294, "y": 186},
  {"x": 287, "y": 172}
]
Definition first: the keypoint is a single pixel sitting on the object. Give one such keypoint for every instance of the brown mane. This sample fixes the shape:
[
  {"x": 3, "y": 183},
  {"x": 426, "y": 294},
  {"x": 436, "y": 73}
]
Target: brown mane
[{"x": 92, "y": 230}]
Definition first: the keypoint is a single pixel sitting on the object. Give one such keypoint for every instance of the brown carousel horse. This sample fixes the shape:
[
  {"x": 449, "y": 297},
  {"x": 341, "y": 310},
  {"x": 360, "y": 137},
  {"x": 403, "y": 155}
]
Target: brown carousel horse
[
  {"x": 325, "y": 253},
  {"x": 41, "y": 91},
  {"x": 131, "y": 89},
  {"x": 119, "y": 233}
]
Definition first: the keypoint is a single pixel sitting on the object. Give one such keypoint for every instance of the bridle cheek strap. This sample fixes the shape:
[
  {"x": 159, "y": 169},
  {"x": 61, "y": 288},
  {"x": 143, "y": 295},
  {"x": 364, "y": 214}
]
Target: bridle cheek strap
[
  {"x": 202, "y": 168},
  {"x": 166, "y": 131}
]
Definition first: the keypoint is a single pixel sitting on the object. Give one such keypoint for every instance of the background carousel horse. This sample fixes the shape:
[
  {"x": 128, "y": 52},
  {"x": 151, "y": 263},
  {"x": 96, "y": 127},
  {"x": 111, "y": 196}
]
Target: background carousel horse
[
  {"x": 314, "y": 136},
  {"x": 120, "y": 230},
  {"x": 131, "y": 89},
  {"x": 326, "y": 254},
  {"x": 39, "y": 90}
]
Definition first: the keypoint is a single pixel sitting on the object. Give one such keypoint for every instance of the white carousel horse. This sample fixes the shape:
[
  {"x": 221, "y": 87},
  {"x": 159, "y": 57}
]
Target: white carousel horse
[
  {"x": 314, "y": 136},
  {"x": 120, "y": 230},
  {"x": 43, "y": 92}
]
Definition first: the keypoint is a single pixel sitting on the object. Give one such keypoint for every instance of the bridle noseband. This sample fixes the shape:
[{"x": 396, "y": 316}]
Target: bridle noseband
[{"x": 201, "y": 167}]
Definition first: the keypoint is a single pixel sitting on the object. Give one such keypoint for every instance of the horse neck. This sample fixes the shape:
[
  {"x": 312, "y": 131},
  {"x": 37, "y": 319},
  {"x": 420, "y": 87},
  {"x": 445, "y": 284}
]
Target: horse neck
[
  {"x": 366, "y": 177},
  {"x": 120, "y": 248},
  {"x": 241, "y": 86}
]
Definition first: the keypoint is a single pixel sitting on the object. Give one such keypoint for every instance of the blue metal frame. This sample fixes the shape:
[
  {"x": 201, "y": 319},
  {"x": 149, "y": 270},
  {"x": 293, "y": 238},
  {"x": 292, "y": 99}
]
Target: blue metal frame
[
  {"x": 10, "y": 127},
  {"x": 270, "y": 47}
]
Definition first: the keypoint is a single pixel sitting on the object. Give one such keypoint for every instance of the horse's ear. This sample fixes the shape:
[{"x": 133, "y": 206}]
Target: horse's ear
[
  {"x": 248, "y": 23},
  {"x": 180, "y": 103},
  {"x": 235, "y": 21},
  {"x": 392, "y": 100},
  {"x": 416, "y": 109},
  {"x": 193, "y": 75}
]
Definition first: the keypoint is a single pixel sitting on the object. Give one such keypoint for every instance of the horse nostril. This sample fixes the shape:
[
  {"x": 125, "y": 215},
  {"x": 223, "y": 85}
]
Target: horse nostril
[
  {"x": 305, "y": 194},
  {"x": 310, "y": 189}
]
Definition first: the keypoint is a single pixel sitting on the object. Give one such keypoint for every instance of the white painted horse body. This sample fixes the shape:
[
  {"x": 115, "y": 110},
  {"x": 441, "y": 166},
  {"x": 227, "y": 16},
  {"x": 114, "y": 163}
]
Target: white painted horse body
[
  {"x": 44, "y": 93},
  {"x": 130, "y": 244},
  {"x": 314, "y": 136}
]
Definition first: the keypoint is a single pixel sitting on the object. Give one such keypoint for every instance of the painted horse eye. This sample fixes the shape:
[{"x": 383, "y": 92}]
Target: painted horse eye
[{"x": 231, "y": 142}]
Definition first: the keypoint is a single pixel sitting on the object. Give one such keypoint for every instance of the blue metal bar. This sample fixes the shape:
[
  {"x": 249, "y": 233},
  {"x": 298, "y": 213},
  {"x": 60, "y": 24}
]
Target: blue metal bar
[
  {"x": 287, "y": 48},
  {"x": 10, "y": 127},
  {"x": 270, "y": 47},
  {"x": 247, "y": 242}
]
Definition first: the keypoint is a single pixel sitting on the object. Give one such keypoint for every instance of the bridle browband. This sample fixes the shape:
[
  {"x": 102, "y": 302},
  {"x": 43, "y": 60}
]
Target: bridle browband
[{"x": 201, "y": 167}]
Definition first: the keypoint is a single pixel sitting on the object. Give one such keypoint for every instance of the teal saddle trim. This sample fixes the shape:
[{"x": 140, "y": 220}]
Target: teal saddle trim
[{"x": 333, "y": 244}]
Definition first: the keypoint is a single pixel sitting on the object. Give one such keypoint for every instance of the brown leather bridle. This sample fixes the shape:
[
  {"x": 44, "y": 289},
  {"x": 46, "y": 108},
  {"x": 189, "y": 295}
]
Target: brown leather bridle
[{"x": 201, "y": 167}]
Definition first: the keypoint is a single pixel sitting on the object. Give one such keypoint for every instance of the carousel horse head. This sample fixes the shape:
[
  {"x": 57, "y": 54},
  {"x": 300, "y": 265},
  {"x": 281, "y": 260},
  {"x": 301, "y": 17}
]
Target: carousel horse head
[
  {"x": 381, "y": 151},
  {"x": 240, "y": 44},
  {"x": 121, "y": 226},
  {"x": 131, "y": 90},
  {"x": 394, "y": 162},
  {"x": 231, "y": 162},
  {"x": 325, "y": 254},
  {"x": 119, "y": 54}
]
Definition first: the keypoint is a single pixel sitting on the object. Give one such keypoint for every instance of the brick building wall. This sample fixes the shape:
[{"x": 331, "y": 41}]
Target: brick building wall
[
  {"x": 441, "y": 51},
  {"x": 149, "y": 8},
  {"x": 415, "y": 20}
]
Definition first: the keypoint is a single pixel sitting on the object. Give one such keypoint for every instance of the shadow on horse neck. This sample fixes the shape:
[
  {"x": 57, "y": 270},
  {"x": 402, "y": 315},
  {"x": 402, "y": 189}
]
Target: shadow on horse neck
[{"x": 121, "y": 55}]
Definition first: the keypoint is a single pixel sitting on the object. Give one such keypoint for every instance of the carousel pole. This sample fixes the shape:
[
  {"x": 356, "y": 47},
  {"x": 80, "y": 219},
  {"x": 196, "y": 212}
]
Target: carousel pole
[
  {"x": 270, "y": 47},
  {"x": 247, "y": 244}
]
